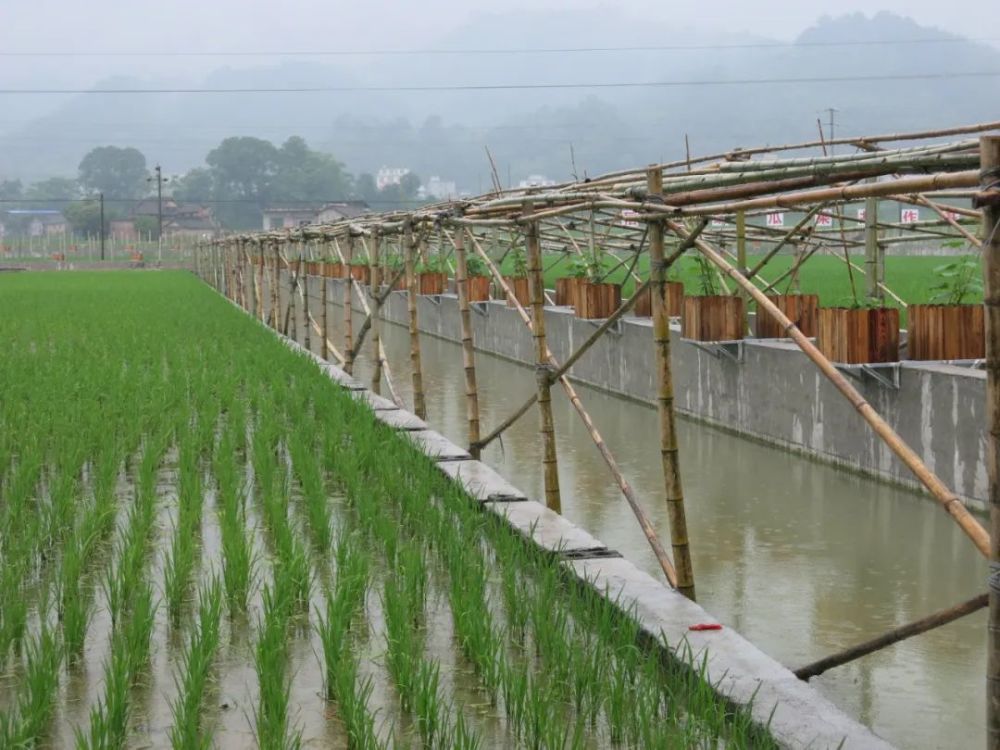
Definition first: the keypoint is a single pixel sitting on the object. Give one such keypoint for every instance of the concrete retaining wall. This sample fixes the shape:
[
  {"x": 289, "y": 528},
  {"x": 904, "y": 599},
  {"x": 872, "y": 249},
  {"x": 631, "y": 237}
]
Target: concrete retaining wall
[{"x": 772, "y": 392}]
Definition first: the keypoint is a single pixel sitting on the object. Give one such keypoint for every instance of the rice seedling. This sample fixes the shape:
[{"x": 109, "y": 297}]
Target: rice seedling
[
  {"x": 272, "y": 723},
  {"x": 188, "y": 730}
]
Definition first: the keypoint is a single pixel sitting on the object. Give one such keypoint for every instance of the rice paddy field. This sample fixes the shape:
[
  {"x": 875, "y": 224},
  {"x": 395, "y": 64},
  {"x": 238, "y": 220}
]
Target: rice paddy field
[{"x": 205, "y": 543}]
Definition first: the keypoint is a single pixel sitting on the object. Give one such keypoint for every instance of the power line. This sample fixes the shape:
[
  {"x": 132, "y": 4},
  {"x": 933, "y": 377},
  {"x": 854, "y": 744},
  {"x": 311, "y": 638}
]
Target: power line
[
  {"x": 496, "y": 51},
  {"x": 515, "y": 86}
]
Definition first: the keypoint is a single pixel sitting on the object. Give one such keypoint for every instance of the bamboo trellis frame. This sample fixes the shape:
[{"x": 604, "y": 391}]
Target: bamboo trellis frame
[{"x": 624, "y": 206}]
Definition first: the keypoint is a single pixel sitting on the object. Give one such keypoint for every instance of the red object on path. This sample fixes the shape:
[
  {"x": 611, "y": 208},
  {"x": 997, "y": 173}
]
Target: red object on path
[{"x": 705, "y": 626}]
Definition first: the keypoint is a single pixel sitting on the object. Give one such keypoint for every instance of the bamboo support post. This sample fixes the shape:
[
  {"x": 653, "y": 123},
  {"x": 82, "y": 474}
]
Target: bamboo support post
[
  {"x": 348, "y": 310},
  {"x": 416, "y": 373},
  {"x": 275, "y": 286},
  {"x": 626, "y": 489},
  {"x": 669, "y": 450},
  {"x": 872, "y": 251},
  {"x": 325, "y": 315},
  {"x": 306, "y": 338},
  {"x": 536, "y": 289},
  {"x": 989, "y": 200},
  {"x": 895, "y": 635},
  {"x": 468, "y": 348},
  {"x": 949, "y": 501},
  {"x": 741, "y": 259},
  {"x": 376, "y": 314}
]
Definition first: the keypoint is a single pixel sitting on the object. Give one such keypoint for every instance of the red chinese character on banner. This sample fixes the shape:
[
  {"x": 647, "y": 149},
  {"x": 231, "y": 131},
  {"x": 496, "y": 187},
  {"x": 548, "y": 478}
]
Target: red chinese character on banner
[
  {"x": 776, "y": 219},
  {"x": 909, "y": 216}
]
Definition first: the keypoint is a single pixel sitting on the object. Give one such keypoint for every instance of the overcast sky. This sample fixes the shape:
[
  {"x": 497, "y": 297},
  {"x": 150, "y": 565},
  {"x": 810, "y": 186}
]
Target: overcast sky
[
  {"x": 293, "y": 25},
  {"x": 28, "y": 25}
]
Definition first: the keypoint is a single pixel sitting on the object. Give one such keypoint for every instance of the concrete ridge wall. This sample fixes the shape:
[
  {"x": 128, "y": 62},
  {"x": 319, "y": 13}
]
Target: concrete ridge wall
[{"x": 773, "y": 393}]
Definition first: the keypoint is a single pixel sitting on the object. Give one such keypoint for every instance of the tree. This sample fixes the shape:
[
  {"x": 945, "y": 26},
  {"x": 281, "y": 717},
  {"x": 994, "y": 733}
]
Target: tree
[
  {"x": 242, "y": 171},
  {"x": 53, "y": 189},
  {"x": 365, "y": 189},
  {"x": 84, "y": 217},
  {"x": 116, "y": 172}
]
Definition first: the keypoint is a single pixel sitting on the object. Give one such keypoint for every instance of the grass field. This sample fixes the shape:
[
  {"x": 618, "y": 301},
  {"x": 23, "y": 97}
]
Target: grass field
[{"x": 205, "y": 543}]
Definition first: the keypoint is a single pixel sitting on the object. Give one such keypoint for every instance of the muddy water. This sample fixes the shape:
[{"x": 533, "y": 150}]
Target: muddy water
[{"x": 802, "y": 558}]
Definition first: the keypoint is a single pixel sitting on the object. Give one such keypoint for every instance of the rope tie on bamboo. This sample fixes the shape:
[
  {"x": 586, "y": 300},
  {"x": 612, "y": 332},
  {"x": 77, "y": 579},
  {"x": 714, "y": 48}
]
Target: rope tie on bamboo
[{"x": 993, "y": 580}]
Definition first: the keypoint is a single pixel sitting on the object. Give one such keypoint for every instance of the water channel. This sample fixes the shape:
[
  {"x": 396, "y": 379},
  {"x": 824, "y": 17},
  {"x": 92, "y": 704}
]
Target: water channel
[{"x": 802, "y": 558}]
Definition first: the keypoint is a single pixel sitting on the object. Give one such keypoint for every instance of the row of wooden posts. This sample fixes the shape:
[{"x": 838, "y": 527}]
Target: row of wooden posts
[{"x": 238, "y": 266}]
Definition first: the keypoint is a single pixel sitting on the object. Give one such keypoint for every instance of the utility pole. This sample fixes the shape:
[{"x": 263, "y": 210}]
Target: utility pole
[
  {"x": 159, "y": 210},
  {"x": 831, "y": 111},
  {"x": 102, "y": 225}
]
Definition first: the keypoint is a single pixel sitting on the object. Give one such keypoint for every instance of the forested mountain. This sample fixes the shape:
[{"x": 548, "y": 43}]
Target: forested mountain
[{"x": 546, "y": 130}]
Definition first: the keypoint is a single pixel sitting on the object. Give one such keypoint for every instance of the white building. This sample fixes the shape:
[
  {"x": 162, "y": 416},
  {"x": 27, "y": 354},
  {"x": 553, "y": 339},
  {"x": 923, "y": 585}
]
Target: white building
[
  {"x": 535, "y": 180},
  {"x": 439, "y": 189},
  {"x": 390, "y": 176}
]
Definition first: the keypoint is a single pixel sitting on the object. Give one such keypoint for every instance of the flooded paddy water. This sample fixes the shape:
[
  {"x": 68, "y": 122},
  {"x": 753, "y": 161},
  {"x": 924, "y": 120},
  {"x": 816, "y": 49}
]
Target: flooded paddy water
[{"x": 802, "y": 558}]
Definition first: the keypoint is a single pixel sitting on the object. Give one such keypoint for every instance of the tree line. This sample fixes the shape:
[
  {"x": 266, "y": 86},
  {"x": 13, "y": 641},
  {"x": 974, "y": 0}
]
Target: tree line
[{"x": 241, "y": 177}]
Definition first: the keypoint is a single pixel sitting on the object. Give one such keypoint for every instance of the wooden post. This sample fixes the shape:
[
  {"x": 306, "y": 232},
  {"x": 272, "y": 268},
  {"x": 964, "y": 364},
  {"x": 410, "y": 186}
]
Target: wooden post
[
  {"x": 349, "y": 307},
  {"x": 669, "y": 451},
  {"x": 989, "y": 199},
  {"x": 468, "y": 349},
  {"x": 419, "y": 406},
  {"x": 374, "y": 282},
  {"x": 325, "y": 316},
  {"x": 536, "y": 289},
  {"x": 872, "y": 280}
]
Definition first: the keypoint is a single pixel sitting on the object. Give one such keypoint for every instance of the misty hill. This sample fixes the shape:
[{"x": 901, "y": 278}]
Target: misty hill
[{"x": 532, "y": 131}]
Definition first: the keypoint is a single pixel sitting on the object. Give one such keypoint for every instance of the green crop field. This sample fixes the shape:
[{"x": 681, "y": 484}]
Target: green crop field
[
  {"x": 910, "y": 277},
  {"x": 204, "y": 542}
]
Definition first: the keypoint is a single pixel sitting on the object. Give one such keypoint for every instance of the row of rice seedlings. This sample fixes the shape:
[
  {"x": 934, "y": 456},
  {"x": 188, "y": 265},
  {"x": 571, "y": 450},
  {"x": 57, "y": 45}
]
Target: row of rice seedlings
[
  {"x": 129, "y": 658},
  {"x": 238, "y": 565},
  {"x": 181, "y": 559},
  {"x": 132, "y": 609},
  {"x": 335, "y": 626},
  {"x": 272, "y": 724},
  {"x": 21, "y": 528},
  {"x": 188, "y": 731},
  {"x": 315, "y": 498}
]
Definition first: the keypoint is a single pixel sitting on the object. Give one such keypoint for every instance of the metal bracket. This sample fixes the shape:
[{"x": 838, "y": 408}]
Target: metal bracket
[
  {"x": 886, "y": 375},
  {"x": 480, "y": 307},
  {"x": 435, "y": 299},
  {"x": 589, "y": 553},
  {"x": 731, "y": 350}
]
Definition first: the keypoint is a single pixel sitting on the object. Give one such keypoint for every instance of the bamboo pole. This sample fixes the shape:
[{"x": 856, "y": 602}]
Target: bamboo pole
[
  {"x": 275, "y": 288},
  {"x": 944, "y": 496},
  {"x": 669, "y": 449},
  {"x": 895, "y": 635},
  {"x": 376, "y": 314},
  {"x": 989, "y": 201},
  {"x": 626, "y": 489},
  {"x": 741, "y": 258},
  {"x": 468, "y": 347},
  {"x": 348, "y": 311},
  {"x": 627, "y": 305},
  {"x": 536, "y": 289},
  {"x": 306, "y": 338},
  {"x": 416, "y": 373},
  {"x": 872, "y": 250},
  {"x": 325, "y": 316}
]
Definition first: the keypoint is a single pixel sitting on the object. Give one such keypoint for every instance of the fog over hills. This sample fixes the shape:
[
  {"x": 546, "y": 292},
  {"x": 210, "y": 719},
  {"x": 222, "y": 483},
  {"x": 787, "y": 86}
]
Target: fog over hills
[{"x": 532, "y": 130}]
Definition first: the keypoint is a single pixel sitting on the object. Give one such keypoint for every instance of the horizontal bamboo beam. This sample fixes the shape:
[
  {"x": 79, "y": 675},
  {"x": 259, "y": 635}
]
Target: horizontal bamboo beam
[{"x": 936, "y": 620}]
